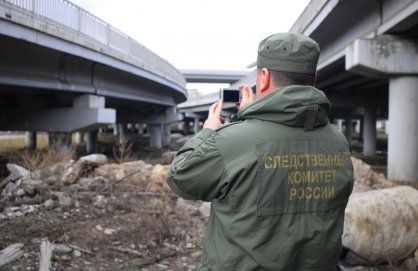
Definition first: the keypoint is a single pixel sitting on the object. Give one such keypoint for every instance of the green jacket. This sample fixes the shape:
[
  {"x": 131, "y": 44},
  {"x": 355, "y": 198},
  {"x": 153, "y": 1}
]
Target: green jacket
[{"x": 279, "y": 179}]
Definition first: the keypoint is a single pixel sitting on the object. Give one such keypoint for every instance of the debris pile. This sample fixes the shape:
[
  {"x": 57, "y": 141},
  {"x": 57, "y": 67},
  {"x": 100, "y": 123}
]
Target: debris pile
[{"x": 90, "y": 215}]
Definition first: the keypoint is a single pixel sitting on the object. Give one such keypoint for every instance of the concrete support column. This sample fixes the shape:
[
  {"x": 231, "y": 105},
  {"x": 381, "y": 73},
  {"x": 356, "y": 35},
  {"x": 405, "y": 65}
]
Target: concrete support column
[
  {"x": 155, "y": 131},
  {"x": 79, "y": 137},
  {"x": 186, "y": 127},
  {"x": 92, "y": 145},
  {"x": 196, "y": 125},
  {"x": 166, "y": 134},
  {"x": 340, "y": 125},
  {"x": 349, "y": 130},
  {"x": 181, "y": 125},
  {"x": 115, "y": 129},
  {"x": 30, "y": 138},
  {"x": 369, "y": 131},
  {"x": 357, "y": 127},
  {"x": 122, "y": 132},
  {"x": 403, "y": 129},
  {"x": 141, "y": 129}
]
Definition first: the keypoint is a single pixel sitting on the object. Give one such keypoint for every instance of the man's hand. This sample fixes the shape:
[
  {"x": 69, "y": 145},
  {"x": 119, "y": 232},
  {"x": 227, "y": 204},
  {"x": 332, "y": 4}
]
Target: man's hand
[
  {"x": 247, "y": 96},
  {"x": 214, "y": 118}
]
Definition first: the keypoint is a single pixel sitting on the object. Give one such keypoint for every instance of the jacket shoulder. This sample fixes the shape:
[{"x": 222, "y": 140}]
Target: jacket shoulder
[{"x": 222, "y": 126}]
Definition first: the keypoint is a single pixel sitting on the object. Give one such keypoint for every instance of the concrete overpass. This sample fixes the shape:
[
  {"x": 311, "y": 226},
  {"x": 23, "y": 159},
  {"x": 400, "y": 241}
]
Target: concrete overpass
[
  {"x": 368, "y": 68},
  {"x": 213, "y": 76},
  {"x": 64, "y": 70}
]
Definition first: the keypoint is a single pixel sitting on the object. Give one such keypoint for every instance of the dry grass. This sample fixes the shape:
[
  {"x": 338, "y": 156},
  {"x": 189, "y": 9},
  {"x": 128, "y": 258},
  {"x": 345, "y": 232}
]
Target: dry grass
[
  {"x": 40, "y": 158},
  {"x": 122, "y": 151},
  {"x": 17, "y": 142}
]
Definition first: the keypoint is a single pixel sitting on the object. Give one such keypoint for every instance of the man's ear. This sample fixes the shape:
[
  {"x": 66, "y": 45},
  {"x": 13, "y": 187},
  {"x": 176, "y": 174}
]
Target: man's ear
[
  {"x": 316, "y": 77},
  {"x": 265, "y": 80}
]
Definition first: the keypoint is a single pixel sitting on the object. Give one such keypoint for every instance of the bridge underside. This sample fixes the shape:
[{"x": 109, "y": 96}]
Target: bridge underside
[
  {"x": 42, "y": 76},
  {"x": 51, "y": 78},
  {"x": 348, "y": 91}
]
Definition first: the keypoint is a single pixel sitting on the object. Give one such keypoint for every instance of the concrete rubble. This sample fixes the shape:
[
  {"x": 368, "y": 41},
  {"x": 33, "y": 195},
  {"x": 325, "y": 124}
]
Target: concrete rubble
[
  {"x": 62, "y": 190},
  {"x": 380, "y": 223}
]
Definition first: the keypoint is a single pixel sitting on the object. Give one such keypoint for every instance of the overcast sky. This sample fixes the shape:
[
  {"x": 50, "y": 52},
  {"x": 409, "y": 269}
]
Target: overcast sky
[{"x": 197, "y": 34}]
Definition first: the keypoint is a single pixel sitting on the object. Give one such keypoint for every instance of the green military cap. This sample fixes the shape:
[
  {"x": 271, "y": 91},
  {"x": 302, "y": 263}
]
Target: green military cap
[{"x": 288, "y": 52}]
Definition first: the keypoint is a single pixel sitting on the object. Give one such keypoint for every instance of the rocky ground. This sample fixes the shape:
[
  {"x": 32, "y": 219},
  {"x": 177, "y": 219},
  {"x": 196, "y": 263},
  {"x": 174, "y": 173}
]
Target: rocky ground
[
  {"x": 95, "y": 214},
  {"x": 110, "y": 217}
]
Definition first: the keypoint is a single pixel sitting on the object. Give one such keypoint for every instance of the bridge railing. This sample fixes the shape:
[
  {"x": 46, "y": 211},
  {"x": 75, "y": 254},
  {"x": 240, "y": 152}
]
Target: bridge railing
[{"x": 69, "y": 15}]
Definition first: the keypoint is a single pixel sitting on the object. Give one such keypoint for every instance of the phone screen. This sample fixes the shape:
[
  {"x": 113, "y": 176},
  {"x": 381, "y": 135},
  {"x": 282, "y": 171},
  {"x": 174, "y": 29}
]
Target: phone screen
[{"x": 231, "y": 96}]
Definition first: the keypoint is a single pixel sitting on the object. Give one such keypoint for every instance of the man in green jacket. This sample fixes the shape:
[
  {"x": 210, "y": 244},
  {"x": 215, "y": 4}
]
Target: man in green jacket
[{"x": 279, "y": 175}]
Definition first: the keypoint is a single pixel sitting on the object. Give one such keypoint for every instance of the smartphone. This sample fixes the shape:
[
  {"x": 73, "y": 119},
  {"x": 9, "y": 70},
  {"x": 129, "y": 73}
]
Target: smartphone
[{"x": 230, "y": 95}]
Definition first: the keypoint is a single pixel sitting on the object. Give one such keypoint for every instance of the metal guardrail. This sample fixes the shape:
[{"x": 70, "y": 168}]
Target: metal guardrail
[{"x": 69, "y": 15}]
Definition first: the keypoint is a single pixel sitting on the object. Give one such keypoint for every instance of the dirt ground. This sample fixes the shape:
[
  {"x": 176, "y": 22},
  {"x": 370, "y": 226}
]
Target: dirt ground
[{"x": 166, "y": 238}]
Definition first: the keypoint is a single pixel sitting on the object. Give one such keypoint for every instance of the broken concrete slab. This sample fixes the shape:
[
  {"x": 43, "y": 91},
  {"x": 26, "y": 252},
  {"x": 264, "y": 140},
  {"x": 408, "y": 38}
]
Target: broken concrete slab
[
  {"x": 11, "y": 253},
  {"x": 382, "y": 225},
  {"x": 98, "y": 159}
]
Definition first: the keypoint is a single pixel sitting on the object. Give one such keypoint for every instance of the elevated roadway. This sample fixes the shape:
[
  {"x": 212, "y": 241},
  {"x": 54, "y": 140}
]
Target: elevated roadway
[
  {"x": 213, "y": 76},
  {"x": 64, "y": 70},
  {"x": 368, "y": 68}
]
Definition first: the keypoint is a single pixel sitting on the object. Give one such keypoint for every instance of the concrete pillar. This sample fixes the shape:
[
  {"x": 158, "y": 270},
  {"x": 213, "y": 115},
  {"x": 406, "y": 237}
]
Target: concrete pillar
[
  {"x": 115, "y": 129},
  {"x": 357, "y": 127},
  {"x": 349, "y": 130},
  {"x": 79, "y": 137},
  {"x": 369, "y": 131},
  {"x": 122, "y": 132},
  {"x": 181, "y": 125},
  {"x": 403, "y": 129},
  {"x": 166, "y": 134},
  {"x": 141, "y": 129},
  {"x": 155, "y": 131},
  {"x": 92, "y": 145},
  {"x": 340, "y": 125},
  {"x": 186, "y": 127},
  {"x": 196, "y": 125},
  {"x": 30, "y": 138}
]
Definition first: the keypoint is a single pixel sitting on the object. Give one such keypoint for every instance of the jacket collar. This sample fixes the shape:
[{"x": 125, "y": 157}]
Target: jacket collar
[{"x": 298, "y": 106}]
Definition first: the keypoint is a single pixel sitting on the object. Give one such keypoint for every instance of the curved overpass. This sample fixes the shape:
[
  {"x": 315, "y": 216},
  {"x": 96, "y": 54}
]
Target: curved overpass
[{"x": 59, "y": 60}]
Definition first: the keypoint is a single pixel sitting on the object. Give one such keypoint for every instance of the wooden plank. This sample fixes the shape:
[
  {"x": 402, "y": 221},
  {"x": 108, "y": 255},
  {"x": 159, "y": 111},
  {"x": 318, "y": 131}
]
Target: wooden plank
[
  {"x": 46, "y": 253},
  {"x": 11, "y": 253}
]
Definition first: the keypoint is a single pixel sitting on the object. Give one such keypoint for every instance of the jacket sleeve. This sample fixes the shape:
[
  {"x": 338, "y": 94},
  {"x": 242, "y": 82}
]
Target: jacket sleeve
[{"x": 198, "y": 170}]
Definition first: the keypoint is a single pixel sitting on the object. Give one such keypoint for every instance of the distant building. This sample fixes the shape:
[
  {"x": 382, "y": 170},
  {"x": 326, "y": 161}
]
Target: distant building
[{"x": 193, "y": 93}]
